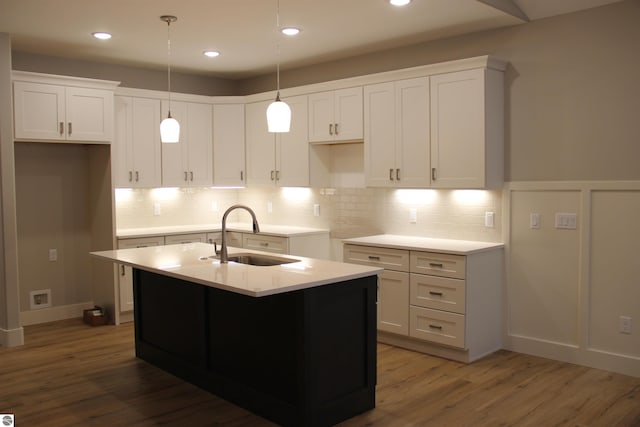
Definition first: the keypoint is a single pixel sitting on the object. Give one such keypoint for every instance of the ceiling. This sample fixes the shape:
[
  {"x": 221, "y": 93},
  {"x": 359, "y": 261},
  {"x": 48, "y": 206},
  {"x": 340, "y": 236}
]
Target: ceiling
[{"x": 244, "y": 31}]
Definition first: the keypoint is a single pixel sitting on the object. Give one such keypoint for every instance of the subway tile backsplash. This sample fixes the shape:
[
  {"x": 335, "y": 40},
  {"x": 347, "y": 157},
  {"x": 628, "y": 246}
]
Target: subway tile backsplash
[{"x": 347, "y": 212}]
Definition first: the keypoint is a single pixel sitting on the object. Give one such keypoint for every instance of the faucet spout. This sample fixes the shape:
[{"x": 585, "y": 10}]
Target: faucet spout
[{"x": 224, "y": 256}]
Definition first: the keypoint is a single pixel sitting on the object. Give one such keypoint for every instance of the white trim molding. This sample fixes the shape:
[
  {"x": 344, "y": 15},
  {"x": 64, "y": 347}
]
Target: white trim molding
[{"x": 33, "y": 317}]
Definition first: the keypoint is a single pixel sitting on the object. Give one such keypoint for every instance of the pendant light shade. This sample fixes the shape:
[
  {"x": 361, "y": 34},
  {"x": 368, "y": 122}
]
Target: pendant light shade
[
  {"x": 169, "y": 127},
  {"x": 278, "y": 116},
  {"x": 170, "y": 130},
  {"x": 278, "y": 112}
]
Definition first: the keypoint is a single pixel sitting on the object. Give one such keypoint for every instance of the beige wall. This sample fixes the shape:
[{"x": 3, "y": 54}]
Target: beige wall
[
  {"x": 53, "y": 190},
  {"x": 128, "y": 76}
]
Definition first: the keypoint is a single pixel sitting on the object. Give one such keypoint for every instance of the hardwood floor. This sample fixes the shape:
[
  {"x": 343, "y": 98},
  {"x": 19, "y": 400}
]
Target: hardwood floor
[{"x": 70, "y": 374}]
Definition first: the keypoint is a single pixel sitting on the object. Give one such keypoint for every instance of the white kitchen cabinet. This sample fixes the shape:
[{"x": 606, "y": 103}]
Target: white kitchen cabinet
[
  {"x": 136, "y": 147},
  {"x": 263, "y": 242},
  {"x": 49, "y": 112},
  {"x": 396, "y": 134},
  {"x": 228, "y": 145},
  {"x": 438, "y": 303},
  {"x": 467, "y": 129},
  {"x": 177, "y": 239},
  {"x": 189, "y": 162},
  {"x": 336, "y": 116},
  {"x": 125, "y": 272},
  {"x": 280, "y": 159}
]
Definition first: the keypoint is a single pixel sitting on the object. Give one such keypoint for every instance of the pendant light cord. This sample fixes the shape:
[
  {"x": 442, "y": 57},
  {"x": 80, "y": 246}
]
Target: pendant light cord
[
  {"x": 169, "y": 62},
  {"x": 278, "y": 50}
]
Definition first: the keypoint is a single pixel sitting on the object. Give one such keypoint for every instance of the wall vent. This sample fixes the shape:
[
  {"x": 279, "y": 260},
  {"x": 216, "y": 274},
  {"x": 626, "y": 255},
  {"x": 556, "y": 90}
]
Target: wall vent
[{"x": 40, "y": 299}]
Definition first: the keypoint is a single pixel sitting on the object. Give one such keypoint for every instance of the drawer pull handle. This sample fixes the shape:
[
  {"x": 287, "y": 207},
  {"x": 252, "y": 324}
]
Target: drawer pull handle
[
  {"x": 436, "y": 264},
  {"x": 374, "y": 258},
  {"x": 264, "y": 243},
  {"x": 438, "y": 327},
  {"x": 439, "y": 294}
]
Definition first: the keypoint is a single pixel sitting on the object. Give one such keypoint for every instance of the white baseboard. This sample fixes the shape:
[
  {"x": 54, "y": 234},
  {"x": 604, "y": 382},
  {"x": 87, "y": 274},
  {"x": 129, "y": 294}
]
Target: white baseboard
[
  {"x": 44, "y": 315},
  {"x": 11, "y": 337},
  {"x": 619, "y": 363}
]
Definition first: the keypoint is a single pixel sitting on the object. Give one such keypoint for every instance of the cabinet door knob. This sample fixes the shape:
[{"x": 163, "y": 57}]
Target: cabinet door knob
[
  {"x": 433, "y": 174},
  {"x": 191, "y": 174},
  {"x": 390, "y": 174},
  {"x": 185, "y": 176},
  {"x": 61, "y": 128},
  {"x": 272, "y": 175},
  {"x": 137, "y": 176},
  {"x": 130, "y": 176},
  {"x": 277, "y": 175},
  {"x": 335, "y": 126},
  {"x": 397, "y": 174},
  {"x": 70, "y": 129},
  {"x": 330, "y": 128},
  {"x": 241, "y": 175}
]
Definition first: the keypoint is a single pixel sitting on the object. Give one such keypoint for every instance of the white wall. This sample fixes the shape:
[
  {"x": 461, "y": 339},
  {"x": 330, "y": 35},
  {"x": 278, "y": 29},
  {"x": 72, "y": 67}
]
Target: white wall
[{"x": 566, "y": 289}]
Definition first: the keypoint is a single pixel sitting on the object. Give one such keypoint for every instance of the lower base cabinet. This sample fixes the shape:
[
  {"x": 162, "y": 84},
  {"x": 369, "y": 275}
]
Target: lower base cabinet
[
  {"x": 300, "y": 358},
  {"x": 443, "y": 304}
]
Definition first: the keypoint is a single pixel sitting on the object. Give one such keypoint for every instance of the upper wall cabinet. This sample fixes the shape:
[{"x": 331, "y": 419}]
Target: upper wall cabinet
[
  {"x": 467, "y": 129},
  {"x": 189, "y": 162},
  {"x": 396, "y": 134},
  {"x": 280, "y": 159},
  {"x": 52, "y": 108},
  {"x": 336, "y": 116},
  {"x": 228, "y": 145},
  {"x": 136, "y": 151}
]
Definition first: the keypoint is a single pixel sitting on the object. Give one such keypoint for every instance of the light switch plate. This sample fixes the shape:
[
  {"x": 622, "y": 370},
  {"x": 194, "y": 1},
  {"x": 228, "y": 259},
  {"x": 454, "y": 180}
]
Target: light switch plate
[
  {"x": 568, "y": 221},
  {"x": 534, "y": 221}
]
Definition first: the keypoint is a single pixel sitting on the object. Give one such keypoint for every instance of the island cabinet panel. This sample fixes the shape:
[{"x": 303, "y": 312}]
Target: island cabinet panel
[{"x": 299, "y": 358}]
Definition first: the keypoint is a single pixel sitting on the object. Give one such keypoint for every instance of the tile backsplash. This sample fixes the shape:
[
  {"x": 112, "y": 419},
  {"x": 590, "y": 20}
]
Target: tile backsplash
[{"x": 347, "y": 212}]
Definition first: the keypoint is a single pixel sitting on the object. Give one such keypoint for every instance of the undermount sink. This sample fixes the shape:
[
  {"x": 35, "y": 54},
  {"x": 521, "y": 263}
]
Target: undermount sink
[{"x": 257, "y": 259}]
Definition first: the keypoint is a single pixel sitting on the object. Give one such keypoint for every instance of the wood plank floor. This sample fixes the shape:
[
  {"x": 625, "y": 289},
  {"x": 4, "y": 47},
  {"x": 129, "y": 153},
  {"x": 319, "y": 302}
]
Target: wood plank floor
[{"x": 69, "y": 374}]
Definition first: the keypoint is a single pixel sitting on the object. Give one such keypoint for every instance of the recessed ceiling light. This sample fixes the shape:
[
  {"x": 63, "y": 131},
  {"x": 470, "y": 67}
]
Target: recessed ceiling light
[
  {"x": 101, "y": 35},
  {"x": 399, "y": 2},
  {"x": 211, "y": 53},
  {"x": 290, "y": 31}
]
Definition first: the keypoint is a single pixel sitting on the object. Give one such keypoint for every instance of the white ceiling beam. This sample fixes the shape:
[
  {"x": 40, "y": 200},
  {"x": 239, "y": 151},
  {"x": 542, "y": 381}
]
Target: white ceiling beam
[{"x": 508, "y": 7}]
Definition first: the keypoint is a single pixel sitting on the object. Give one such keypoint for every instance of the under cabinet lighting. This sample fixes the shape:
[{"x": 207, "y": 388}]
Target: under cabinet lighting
[
  {"x": 399, "y": 2},
  {"x": 211, "y": 53}
]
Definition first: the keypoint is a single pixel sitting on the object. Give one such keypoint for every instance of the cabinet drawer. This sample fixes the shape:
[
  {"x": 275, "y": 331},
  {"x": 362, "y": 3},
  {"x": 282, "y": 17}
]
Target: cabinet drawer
[
  {"x": 140, "y": 242},
  {"x": 440, "y": 293},
  {"x": 389, "y": 259},
  {"x": 435, "y": 264},
  {"x": 185, "y": 238},
  {"x": 265, "y": 243},
  {"x": 234, "y": 239},
  {"x": 437, "y": 326}
]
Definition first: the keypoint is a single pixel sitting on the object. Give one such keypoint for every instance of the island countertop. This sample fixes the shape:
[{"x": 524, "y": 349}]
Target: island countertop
[{"x": 192, "y": 262}]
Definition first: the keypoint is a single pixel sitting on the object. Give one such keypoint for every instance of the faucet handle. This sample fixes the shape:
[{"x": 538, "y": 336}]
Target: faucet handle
[{"x": 215, "y": 248}]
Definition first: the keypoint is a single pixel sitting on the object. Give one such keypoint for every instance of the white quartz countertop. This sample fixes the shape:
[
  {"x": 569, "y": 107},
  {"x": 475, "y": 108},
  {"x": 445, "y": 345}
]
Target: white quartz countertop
[
  {"x": 273, "y": 230},
  {"x": 450, "y": 246},
  {"x": 190, "y": 262}
]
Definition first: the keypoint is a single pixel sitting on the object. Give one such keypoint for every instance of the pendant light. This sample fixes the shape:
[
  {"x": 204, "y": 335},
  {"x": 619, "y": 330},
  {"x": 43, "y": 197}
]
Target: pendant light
[
  {"x": 169, "y": 127},
  {"x": 278, "y": 112}
]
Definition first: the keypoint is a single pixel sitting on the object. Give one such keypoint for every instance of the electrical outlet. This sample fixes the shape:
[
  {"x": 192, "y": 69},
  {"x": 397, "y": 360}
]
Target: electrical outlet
[
  {"x": 214, "y": 206},
  {"x": 489, "y": 219},
  {"x": 625, "y": 325},
  {"x": 316, "y": 210},
  {"x": 413, "y": 216},
  {"x": 53, "y": 254},
  {"x": 269, "y": 207},
  {"x": 156, "y": 209}
]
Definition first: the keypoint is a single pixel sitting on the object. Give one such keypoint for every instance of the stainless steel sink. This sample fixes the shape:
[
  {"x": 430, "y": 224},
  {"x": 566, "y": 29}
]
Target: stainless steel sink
[{"x": 258, "y": 259}]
